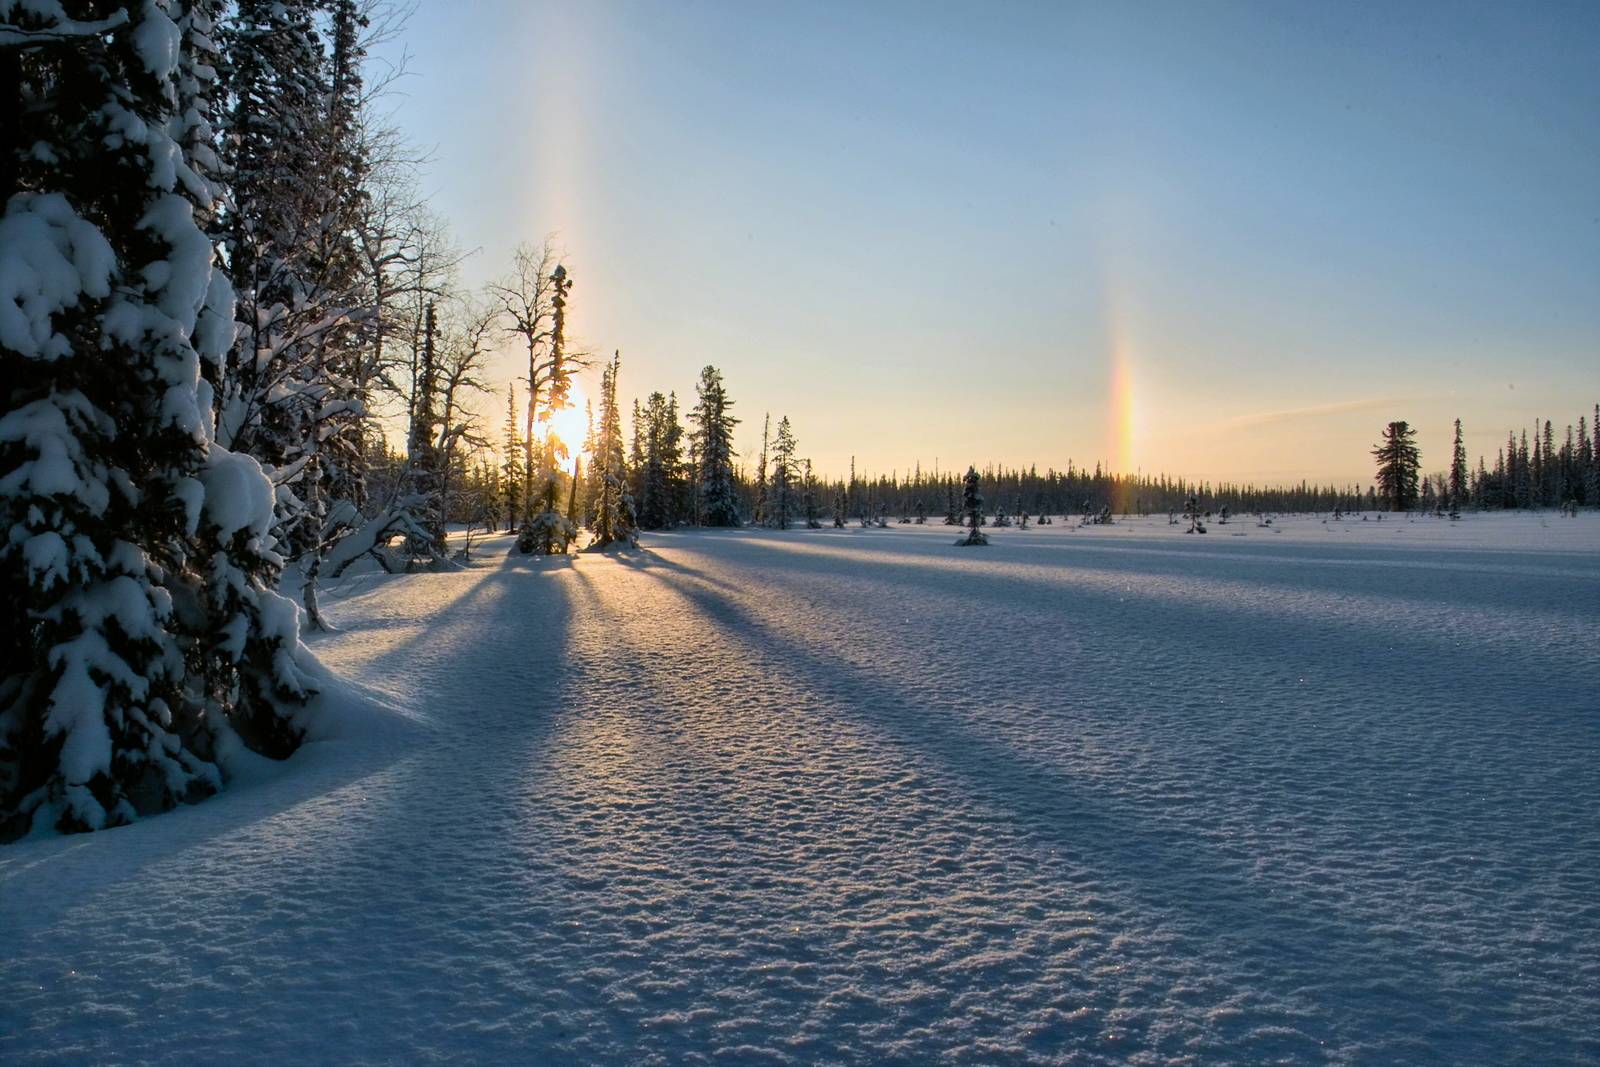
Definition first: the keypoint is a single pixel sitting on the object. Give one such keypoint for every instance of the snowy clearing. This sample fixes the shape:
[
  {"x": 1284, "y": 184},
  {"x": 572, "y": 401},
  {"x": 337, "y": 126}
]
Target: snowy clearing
[{"x": 1309, "y": 793}]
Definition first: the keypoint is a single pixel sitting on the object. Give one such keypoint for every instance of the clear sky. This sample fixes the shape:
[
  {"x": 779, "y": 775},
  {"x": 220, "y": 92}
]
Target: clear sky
[{"x": 1223, "y": 240}]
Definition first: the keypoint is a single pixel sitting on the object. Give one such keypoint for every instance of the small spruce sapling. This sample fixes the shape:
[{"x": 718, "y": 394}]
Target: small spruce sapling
[{"x": 972, "y": 503}]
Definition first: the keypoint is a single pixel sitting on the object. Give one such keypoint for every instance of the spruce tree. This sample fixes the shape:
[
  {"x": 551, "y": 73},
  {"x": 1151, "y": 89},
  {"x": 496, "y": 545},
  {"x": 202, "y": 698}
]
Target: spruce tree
[
  {"x": 145, "y": 637},
  {"x": 760, "y": 515},
  {"x": 1588, "y": 472},
  {"x": 660, "y": 461},
  {"x": 572, "y": 492},
  {"x": 1509, "y": 497},
  {"x": 852, "y": 490},
  {"x": 290, "y": 398},
  {"x": 511, "y": 477},
  {"x": 1398, "y": 464},
  {"x": 614, "y": 519},
  {"x": 424, "y": 460},
  {"x": 780, "y": 489},
  {"x": 1594, "y": 458},
  {"x": 636, "y": 451},
  {"x": 1458, "y": 473},
  {"x": 1550, "y": 475},
  {"x": 972, "y": 504},
  {"x": 1570, "y": 487},
  {"x": 679, "y": 470},
  {"x": 1536, "y": 469},
  {"x": 1525, "y": 482},
  {"x": 713, "y": 442},
  {"x": 809, "y": 497}
]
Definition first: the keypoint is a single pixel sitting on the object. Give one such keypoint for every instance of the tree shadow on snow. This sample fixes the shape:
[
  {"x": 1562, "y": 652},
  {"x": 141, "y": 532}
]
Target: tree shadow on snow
[{"x": 1310, "y": 950}]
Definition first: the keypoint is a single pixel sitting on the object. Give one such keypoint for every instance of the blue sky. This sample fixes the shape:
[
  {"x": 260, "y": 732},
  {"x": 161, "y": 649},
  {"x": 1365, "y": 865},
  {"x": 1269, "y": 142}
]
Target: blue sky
[{"x": 1223, "y": 240}]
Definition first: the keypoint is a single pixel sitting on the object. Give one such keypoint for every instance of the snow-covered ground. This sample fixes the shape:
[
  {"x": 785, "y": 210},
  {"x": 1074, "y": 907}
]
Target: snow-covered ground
[{"x": 1309, "y": 793}]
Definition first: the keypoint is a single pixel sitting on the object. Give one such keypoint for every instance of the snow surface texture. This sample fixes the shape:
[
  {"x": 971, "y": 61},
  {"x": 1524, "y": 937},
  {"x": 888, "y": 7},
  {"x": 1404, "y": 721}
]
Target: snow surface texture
[{"x": 1310, "y": 794}]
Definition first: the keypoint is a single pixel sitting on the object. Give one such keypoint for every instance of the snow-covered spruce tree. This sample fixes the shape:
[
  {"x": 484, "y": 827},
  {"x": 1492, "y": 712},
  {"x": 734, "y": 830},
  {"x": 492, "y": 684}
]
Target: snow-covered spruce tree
[
  {"x": 1192, "y": 512},
  {"x": 660, "y": 463},
  {"x": 972, "y": 503},
  {"x": 636, "y": 464},
  {"x": 255, "y": 679},
  {"x": 952, "y": 514},
  {"x": 614, "y": 520},
  {"x": 288, "y": 398},
  {"x": 549, "y": 532},
  {"x": 852, "y": 490},
  {"x": 138, "y": 556},
  {"x": 679, "y": 470},
  {"x": 809, "y": 497},
  {"x": 691, "y": 484},
  {"x": 511, "y": 480},
  {"x": 713, "y": 442},
  {"x": 293, "y": 396},
  {"x": 759, "y": 514},
  {"x": 838, "y": 508},
  {"x": 340, "y": 200},
  {"x": 780, "y": 487}
]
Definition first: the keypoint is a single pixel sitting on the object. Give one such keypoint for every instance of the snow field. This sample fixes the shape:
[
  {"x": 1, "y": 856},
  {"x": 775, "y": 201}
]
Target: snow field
[{"x": 1317, "y": 793}]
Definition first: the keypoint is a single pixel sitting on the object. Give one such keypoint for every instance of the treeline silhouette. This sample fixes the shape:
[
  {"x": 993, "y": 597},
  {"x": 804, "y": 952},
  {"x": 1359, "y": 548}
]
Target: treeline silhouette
[{"x": 663, "y": 476}]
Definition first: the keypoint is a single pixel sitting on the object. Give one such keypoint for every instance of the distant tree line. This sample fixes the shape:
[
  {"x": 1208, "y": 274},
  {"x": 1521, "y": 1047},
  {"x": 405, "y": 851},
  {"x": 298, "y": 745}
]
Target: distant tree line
[
  {"x": 670, "y": 482},
  {"x": 1547, "y": 475}
]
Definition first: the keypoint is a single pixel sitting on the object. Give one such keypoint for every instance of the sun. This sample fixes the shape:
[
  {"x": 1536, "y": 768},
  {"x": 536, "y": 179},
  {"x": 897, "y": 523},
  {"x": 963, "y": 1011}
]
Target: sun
[{"x": 571, "y": 423}]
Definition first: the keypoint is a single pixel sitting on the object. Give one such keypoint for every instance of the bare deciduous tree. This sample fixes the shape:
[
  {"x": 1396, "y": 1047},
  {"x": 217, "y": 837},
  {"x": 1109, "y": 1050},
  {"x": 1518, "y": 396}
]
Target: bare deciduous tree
[{"x": 532, "y": 301}]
